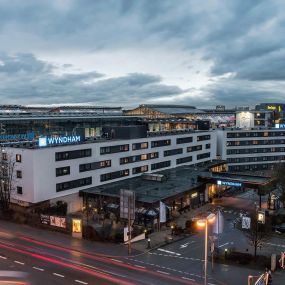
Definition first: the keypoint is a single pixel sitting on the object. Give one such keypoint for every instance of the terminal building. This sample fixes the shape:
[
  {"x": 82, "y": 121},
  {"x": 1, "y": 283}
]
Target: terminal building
[{"x": 62, "y": 151}]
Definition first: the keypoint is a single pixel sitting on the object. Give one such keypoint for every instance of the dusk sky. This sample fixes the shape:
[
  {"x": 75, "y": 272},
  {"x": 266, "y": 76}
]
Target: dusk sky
[{"x": 129, "y": 52}]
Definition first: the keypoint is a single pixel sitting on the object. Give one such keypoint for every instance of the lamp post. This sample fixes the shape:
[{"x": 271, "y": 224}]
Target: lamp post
[{"x": 204, "y": 223}]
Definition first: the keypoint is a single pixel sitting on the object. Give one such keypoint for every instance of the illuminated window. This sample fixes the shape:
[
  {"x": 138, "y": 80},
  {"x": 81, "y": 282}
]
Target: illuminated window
[
  {"x": 18, "y": 158},
  {"x": 144, "y": 157}
]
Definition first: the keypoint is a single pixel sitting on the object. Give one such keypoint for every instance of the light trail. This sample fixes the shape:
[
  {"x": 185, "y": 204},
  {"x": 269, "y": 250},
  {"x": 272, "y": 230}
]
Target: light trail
[{"x": 71, "y": 266}]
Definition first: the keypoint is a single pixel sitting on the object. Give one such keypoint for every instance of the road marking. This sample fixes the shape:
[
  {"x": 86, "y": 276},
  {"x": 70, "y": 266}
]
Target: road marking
[
  {"x": 186, "y": 278},
  {"x": 212, "y": 284},
  {"x": 186, "y": 244},
  {"x": 223, "y": 244},
  {"x": 139, "y": 266},
  {"x": 168, "y": 251},
  {"x": 120, "y": 261},
  {"x": 279, "y": 245},
  {"x": 81, "y": 282},
  {"x": 37, "y": 268},
  {"x": 19, "y": 262},
  {"x": 3, "y": 257},
  {"x": 181, "y": 257},
  {"x": 162, "y": 272},
  {"x": 59, "y": 275}
]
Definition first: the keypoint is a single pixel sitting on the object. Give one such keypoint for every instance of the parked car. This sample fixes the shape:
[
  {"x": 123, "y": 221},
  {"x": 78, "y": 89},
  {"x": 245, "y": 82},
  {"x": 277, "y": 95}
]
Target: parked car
[{"x": 279, "y": 228}]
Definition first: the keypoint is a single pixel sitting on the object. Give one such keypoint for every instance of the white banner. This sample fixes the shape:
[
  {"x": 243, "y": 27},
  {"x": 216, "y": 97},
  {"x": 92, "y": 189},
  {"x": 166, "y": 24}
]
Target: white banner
[
  {"x": 245, "y": 224},
  {"x": 162, "y": 212}
]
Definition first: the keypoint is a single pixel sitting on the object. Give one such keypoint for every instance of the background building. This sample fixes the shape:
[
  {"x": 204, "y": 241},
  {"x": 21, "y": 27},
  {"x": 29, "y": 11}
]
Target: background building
[{"x": 251, "y": 149}]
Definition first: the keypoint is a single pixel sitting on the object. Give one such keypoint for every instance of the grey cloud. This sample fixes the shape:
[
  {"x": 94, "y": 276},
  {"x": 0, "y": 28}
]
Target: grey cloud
[
  {"x": 27, "y": 79},
  {"x": 245, "y": 38}
]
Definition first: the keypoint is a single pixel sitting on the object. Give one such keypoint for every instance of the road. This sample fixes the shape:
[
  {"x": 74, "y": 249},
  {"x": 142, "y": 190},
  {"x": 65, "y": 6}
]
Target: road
[
  {"x": 186, "y": 256},
  {"x": 48, "y": 262}
]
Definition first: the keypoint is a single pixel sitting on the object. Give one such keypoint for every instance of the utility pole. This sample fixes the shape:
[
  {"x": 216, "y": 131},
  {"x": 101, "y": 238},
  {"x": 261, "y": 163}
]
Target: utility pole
[
  {"x": 129, "y": 226},
  {"x": 206, "y": 251}
]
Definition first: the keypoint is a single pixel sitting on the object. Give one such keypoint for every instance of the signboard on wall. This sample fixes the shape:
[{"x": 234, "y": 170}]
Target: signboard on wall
[
  {"x": 45, "y": 219},
  {"x": 229, "y": 183},
  {"x": 58, "y": 221}
]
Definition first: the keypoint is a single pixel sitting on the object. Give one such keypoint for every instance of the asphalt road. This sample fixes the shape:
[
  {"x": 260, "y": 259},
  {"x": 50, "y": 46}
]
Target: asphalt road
[
  {"x": 187, "y": 256},
  {"x": 48, "y": 262}
]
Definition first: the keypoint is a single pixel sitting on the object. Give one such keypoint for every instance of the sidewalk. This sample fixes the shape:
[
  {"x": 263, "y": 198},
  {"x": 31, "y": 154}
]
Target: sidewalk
[
  {"x": 63, "y": 240},
  {"x": 163, "y": 237}
]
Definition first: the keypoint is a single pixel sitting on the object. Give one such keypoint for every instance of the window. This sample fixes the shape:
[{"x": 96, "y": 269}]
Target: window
[
  {"x": 18, "y": 158},
  {"x": 4, "y": 155},
  {"x": 184, "y": 140},
  {"x": 19, "y": 190},
  {"x": 136, "y": 158},
  {"x": 160, "y": 143},
  {"x": 203, "y": 155},
  {"x": 194, "y": 148},
  {"x": 66, "y": 155},
  {"x": 159, "y": 165},
  {"x": 208, "y": 145},
  {"x": 184, "y": 160},
  {"x": 114, "y": 175},
  {"x": 73, "y": 184},
  {"x": 94, "y": 165},
  {"x": 114, "y": 149},
  {"x": 140, "y": 169},
  {"x": 203, "y": 138},
  {"x": 19, "y": 174},
  {"x": 62, "y": 171},
  {"x": 173, "y": 151},
  {"x": 142, "y": 145}
]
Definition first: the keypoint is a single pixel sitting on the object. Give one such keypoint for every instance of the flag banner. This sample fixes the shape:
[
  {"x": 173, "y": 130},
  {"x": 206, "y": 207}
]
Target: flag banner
[
  {"x": 219, "y": 223},
  {"x": 162, "y": 212},
  {"x": 245, "y": 224}
]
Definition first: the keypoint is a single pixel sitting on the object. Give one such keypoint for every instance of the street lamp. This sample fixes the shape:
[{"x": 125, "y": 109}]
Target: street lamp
[{"x": 203, "y": 223}]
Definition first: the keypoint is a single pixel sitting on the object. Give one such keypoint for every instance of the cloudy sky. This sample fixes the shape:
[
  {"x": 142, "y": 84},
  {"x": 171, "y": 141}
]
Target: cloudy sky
[{"x": 129, "y": 52}]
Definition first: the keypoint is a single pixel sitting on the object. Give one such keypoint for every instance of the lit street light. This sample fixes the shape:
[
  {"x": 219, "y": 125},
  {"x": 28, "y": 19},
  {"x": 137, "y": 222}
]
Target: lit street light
[{"x": 204, "y": 223}]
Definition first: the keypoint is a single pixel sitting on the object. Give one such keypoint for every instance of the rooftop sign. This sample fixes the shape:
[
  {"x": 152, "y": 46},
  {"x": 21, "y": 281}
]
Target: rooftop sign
[
  {"x": 280, "y": 126},
  {"x": 45, "y": 141},
  {"x": 17, "y": 137}
]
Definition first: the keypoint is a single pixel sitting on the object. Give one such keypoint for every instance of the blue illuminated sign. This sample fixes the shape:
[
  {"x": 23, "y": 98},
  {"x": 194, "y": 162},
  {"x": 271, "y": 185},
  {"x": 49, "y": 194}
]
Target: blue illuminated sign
[
  {"x": 229, "y": 183},
  {"x": 16, "y": 137},
  {"x": 280, "y": 126},
  {"x": 45, "y": 141}
]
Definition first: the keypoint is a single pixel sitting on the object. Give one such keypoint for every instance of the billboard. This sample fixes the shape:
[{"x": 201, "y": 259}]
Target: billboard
[
  {"x": 76, "y": 225},
  {"x": 58, "y": 222}
]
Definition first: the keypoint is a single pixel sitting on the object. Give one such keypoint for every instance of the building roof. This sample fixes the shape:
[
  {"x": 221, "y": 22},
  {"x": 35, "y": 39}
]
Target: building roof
[
  {"x": 178, "y": 181},
  {"x": 173, "y": 109}
]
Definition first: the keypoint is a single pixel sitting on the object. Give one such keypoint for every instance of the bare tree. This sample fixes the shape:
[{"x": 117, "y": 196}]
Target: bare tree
[
  {"x": 279, "y": 175},
  {"x": 258, "y": 233},
  {"x": 6, "y": 178}
]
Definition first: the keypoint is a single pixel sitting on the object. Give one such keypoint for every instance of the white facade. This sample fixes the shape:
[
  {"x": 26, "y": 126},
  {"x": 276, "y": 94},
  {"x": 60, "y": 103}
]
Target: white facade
[
  {"x": 38, "y": 165},
  {"x": 251, "y": 149}
]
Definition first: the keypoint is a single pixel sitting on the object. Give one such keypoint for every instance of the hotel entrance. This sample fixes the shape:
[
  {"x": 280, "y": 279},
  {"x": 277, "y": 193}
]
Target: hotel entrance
[{"x": 221, "y": 184}]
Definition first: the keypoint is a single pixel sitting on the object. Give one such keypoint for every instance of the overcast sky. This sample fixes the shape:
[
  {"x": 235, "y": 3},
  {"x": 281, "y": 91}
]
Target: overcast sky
[{"x": 129, "y": 52}]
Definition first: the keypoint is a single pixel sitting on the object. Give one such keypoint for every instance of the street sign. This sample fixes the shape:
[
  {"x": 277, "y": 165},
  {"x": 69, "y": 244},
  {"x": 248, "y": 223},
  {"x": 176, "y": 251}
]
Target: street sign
[
  {"x": 127, "y": 203},
  {"x": 246, "y": 223},
  {"x": 261, "y": 217}
]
